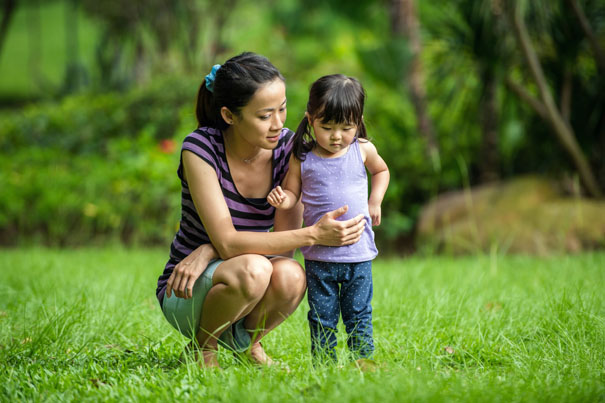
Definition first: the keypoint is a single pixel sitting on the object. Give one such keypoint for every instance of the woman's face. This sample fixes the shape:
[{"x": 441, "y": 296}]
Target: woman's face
[{"x": 260, "y": 122}]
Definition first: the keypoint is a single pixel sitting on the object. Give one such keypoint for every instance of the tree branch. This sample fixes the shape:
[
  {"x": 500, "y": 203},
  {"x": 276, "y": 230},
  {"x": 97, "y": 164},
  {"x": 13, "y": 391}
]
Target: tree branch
[
  {"x": 525, "y": 96},
  {"x": 563, "y": 131},
  {"x": 585, "y": 24}
]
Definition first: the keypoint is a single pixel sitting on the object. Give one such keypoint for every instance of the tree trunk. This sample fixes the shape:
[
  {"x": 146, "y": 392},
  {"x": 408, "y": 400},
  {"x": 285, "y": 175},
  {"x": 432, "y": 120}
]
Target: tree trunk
[
  {"x": 566, "y": 91},
  {"x": 563, "y": 131},
  {"x": 404, "y": 22},
  {"x": 601, "y": 136},
  {"x": 7, "y": 15},
  {"x": 489, "y": 163}
]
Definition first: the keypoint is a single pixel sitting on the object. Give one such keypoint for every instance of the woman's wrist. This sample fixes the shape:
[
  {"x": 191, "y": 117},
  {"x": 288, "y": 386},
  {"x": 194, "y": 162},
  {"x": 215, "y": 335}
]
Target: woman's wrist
[
  {"x": 312, "y": 236},
  {"x": 210, "y": 252}
]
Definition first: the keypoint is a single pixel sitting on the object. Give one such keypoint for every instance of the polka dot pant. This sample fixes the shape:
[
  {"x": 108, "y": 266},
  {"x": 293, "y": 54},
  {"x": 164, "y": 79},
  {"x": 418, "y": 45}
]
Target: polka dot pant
[{"x": 334, "y": 289}]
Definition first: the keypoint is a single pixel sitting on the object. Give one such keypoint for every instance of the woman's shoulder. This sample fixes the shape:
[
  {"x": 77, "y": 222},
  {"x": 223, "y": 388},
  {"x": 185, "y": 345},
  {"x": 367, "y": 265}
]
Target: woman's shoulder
[
  {"x": 284, "y": 144},
  {"x": 203, "y": 134},
  {"x": 286, "y": 139},
  {"x": 205, "y": 142},
  {"x": 286, "y": 135}
]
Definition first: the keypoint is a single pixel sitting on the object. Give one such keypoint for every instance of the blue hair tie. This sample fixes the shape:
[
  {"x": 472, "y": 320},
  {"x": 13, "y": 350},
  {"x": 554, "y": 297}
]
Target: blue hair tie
[{"x": 210, "y": 77}]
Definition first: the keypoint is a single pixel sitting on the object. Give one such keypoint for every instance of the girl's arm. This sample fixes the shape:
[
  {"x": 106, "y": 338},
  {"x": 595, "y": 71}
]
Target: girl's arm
[
  {"x": 286, "y": 197},
  {"x": 228, "y": 242},
  {"x": 380, "y": 179},
  {"x": 289, "y": 219}
]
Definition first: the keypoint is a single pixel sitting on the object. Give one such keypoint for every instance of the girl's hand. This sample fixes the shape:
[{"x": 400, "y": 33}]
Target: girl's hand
[
  {"x": 375, "y": 213},
  {"x": 188, "y": 270},
  {"x": 331, "y": 232},
  {"x": 276, "y": 197}
]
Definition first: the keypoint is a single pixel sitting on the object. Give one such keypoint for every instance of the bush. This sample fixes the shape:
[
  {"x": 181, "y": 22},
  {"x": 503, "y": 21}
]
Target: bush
[
  {"x": 97, "y": 167},
  {"x": 94, "y": 168}
]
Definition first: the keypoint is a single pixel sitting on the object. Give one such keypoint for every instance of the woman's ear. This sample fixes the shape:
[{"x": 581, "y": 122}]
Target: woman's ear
[{"x": 227, "y": 115}]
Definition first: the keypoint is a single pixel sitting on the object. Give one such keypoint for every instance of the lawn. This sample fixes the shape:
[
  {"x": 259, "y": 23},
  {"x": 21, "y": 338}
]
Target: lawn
[{"x": 85, "y": 325}]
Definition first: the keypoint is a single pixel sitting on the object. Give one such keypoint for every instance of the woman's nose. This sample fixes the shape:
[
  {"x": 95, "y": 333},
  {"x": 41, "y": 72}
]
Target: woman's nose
[{"x": 277, "y": 123}]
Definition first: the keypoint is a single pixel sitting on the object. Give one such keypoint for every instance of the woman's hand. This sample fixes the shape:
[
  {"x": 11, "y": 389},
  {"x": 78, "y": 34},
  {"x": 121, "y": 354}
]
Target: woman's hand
[
  {"x": 331, "y": 232},
  {"x": 188, "y": 270}
]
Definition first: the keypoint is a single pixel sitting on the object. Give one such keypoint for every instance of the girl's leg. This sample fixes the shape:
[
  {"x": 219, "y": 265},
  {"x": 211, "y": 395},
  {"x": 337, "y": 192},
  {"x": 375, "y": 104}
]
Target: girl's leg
[
  {"x": 285, "y": 291},
  {"x": 355, "y": 302},
  {"x": 324, "y": 309},
  {"x": 239, "y": 284}
]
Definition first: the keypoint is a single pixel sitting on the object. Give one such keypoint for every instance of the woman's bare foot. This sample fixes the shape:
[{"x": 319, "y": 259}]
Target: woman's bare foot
[
  {"x": 208, "y": 360},
  {"x": 258, "y": 356}
]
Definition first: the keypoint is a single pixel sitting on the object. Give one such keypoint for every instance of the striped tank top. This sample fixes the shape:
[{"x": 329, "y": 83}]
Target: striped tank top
[{"x": 246, "y": 214}]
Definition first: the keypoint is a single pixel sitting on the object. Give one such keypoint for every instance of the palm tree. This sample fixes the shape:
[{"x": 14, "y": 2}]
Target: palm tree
[
  {"x": 473, "y": 32},
  {"x": 404, "y": 22},
  {"x": 545, "y": 106}
]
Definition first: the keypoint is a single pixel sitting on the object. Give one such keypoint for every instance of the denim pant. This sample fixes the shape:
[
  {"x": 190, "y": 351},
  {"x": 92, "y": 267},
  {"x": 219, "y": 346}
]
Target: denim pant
[{"x": 334, "y": 289}]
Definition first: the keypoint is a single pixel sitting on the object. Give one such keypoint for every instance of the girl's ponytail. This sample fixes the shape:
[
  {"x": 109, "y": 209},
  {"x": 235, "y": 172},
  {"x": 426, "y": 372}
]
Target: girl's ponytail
[
  {"x": 303, "y": 142},
  {"x": 362, "y": 133}
]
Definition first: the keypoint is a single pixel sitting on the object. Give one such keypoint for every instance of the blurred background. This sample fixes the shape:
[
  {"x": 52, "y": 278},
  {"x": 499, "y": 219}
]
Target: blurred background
[{"x": 489, "y": 113}]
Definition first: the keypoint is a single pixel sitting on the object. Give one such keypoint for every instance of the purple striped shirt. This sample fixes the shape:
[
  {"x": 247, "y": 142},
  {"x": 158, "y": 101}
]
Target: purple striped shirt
[{"x": 246, "y": 214}]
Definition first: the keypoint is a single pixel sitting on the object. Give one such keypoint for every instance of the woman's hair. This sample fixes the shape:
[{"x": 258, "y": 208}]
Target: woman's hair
[
  {"x": 336, "y": 99},
  {"x": 235, "y": 83}
]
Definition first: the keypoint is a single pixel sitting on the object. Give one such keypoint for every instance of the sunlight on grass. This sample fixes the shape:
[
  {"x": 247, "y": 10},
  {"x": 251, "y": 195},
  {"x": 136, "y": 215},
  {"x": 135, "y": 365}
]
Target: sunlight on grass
[{"x": 85, "y": 324}]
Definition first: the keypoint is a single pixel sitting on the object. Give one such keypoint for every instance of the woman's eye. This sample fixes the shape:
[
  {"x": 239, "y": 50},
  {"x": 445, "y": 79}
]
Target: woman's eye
[
  {"x": 265, "y": 117},
  {"x": 283, "y": 109}
]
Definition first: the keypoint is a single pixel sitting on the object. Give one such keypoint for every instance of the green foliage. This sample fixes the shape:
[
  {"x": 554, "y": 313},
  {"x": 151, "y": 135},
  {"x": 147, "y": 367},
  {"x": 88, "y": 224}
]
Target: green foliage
[
  {"x": 85, "y": 325},
  {"x": 101, "y": 133},
  {"x": 94, "y": 167}
]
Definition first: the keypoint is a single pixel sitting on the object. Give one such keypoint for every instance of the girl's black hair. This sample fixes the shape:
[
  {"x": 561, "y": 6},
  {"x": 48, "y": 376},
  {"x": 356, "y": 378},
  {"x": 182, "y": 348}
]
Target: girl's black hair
[
  {"x": 236, "y": 82},
  {"x": 336, "y": 99}
]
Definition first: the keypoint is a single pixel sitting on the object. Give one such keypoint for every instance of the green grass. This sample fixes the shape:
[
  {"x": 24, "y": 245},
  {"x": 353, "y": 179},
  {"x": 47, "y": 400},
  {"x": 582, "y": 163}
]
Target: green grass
[{"x": 85, "y": 325}]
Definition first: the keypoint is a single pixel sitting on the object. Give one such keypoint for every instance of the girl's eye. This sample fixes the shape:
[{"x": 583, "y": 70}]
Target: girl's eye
[{"x": 326, "y": 128}]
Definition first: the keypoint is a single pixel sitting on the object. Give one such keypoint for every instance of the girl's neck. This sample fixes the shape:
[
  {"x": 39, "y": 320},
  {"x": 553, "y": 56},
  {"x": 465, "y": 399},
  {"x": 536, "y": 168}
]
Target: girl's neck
[{"x": 320, "y": 152}]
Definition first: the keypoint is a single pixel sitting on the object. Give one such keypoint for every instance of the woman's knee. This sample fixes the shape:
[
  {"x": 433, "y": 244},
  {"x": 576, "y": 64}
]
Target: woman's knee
[
  {"x": 288, "y": 277},
  {"x": 254, "y": 275}
]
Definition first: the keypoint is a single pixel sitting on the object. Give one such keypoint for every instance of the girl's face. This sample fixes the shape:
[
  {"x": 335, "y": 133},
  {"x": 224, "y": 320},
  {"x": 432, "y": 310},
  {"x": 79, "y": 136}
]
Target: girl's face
[
  {"x": 260, "y": 122},
  {"x": 333, "y": 139}
]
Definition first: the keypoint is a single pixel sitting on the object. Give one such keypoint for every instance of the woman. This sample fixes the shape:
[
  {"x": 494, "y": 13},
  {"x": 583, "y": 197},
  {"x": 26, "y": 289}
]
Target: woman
[{"x": 229, "y": 280}]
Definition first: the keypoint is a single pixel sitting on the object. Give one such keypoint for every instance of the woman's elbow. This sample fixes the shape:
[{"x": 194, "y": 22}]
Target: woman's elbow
[{"x": 224, "y": 249}]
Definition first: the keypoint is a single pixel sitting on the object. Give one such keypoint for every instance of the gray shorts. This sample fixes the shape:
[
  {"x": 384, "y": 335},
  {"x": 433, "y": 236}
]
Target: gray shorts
[{"x": 185, "y": 314}]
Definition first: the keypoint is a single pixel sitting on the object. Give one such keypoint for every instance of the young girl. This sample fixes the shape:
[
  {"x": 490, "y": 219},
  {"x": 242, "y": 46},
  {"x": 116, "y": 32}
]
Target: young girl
[{"x": 328, "y": 171}]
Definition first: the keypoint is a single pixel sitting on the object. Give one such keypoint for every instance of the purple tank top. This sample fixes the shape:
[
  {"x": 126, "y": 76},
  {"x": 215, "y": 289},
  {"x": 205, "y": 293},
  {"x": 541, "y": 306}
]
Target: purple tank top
[{"x": 330, "y": 183}]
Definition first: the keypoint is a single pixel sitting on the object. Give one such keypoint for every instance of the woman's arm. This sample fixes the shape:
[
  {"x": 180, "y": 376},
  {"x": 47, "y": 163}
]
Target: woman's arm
[
  {"x": 380, "y": 179},
  {"x": 188, "y": 270},
  {"x": 228, "y": 242}
]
